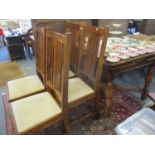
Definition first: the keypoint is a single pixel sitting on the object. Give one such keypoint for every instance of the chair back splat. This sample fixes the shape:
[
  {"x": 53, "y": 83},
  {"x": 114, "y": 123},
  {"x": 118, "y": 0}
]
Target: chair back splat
[
  {"x": 28, "y": 42},
  {"x": 92, "y": 47},
  {"x": 57, "y": 59},
  {"x": 74, "y": 58},
  {"x": 40, "y": 35}
]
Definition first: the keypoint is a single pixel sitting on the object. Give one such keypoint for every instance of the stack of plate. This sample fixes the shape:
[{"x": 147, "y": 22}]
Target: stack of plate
[
  {"x": 116, "y": 57},
  {"x": 121, "y": 49}
]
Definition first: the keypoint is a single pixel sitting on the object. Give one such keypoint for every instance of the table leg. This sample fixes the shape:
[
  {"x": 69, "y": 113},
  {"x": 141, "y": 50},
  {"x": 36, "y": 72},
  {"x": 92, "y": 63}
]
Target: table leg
[
  {"x": 108, "y": 96},
  {"x": 28, "y": 51},
  {"x": 148, "y": 80}
]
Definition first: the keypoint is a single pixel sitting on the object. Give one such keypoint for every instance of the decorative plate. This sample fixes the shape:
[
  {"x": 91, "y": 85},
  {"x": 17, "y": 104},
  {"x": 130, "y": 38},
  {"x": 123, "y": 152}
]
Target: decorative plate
[
  {"x": 114, "y": 39},
  {"x": 150, "y": 48},
  {"x": 113, "y": 57},
  {"x": 116, "y": 32},
  {"x": 132, "y": 52},
  {"x": 124, "y": 54},
  {"x": 141, "y": 50},
  {"x": 116, "y": 25}
]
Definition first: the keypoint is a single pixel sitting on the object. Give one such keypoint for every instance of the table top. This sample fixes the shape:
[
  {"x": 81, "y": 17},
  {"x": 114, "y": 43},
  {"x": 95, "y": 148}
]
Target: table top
[
  {"x": 13, "y": 33},
  {"x": 148, "y": 50},
  {"x": 147, "y": 57}
]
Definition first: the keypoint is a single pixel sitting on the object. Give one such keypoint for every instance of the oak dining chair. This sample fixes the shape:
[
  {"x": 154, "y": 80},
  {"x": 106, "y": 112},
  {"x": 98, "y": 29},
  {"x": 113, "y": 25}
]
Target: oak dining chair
[
  {"x": 34, "y": 113},
  {"x": 29, "y": 85},
  {"x": 86, "y": 86},
  {"x": 29, "y": 43}
]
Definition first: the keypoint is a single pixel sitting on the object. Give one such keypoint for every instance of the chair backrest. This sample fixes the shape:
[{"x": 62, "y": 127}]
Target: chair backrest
[
  {"x": 92, "y": 47},
  {"x": 57, "y": 58},
  {"x": 74, "y": 58},
  {"x": 27, "y": 35},
  {"x": 30, "y": 31},
  {"x": 40, "y": 34}
]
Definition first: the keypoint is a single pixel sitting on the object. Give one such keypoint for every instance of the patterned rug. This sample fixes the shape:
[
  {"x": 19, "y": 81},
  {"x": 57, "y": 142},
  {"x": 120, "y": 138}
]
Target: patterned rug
[
  {"x": 124, "y": 105},
  {"x": 10, "y": 71}
]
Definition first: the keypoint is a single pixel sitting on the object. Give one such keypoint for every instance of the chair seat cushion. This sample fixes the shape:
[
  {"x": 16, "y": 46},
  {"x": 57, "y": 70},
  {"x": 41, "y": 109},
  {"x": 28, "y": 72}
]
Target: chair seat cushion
[
  {"x": 24, "y": 86},
  {"x": 34, "y": 110},
  {"x": 71, "y": 74},
  {"x": 78, "y": 89}
]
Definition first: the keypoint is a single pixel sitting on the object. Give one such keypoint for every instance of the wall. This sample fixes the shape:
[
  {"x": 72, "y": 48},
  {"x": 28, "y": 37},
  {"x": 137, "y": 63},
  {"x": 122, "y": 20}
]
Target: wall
[
  {"x": 55, "y": 24},
  {"x": 109, "y": 23},
  {"x": 9, "y": 23},
  {"x": 23, "y": 24},
  {"x": 150, "y": 27}
]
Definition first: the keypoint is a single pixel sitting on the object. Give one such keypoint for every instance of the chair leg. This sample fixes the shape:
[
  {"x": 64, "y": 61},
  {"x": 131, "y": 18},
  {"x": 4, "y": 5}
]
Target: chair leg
[
  {"x": 28, "y": 51},
  {"x": 33, "y": 49},
  {"x": 148, "y": 80},
  {"x": 67, "y": 128},
  {"x": 97, "y": 107}
]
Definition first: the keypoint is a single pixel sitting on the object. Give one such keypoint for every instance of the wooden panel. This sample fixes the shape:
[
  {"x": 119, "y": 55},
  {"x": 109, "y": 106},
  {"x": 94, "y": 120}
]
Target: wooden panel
[
  {"x": 151, "y": 21},
  {"x": 57, "y": 58},
  {"x": 74, "y": 28},
  {"x": 109, "y": 24},
  {"x": 40, "y": 52},
  {"x": 15, "y": 47},
  {"x": 92, "y": 48},
  {"x": 150, "y": 29}
]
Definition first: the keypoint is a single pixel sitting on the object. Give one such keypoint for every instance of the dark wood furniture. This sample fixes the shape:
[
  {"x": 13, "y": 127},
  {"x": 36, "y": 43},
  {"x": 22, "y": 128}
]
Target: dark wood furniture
[
  {"x": 95, "y": 22},
  {"x": 151, "y": 95},
  {"x": 29, "y": 42},
  {"x": 15, "y": 46},
  {"x": 112, "y": 69}
]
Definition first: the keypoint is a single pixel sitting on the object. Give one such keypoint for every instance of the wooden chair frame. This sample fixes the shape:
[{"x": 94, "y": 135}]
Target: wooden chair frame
[
  {"x": 53, "y": 85},
  {"x": 58, "y": 91},
  {"x": 28, "y": 42},
  {"x": 94, "y": 33},
  {"x": 74, "y": 28},
  {"x": 40, "y": 43},
  {"x": 40, "y": 35}
]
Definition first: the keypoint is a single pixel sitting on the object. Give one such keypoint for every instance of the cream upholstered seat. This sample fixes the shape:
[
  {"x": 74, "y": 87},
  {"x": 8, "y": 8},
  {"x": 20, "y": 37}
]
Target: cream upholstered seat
[
  {"x": 78, "y": 89},
  {"x": 24, "y": 86},
  {"x": 34, "y": 110},
  {"x": 27, "y": 85},
  {"x": 71, "y": 74}
]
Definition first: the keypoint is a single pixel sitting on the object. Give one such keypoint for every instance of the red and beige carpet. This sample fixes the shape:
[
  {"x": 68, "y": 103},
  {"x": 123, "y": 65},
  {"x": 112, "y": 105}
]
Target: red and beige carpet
[{"x": 124, "y": 105}]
